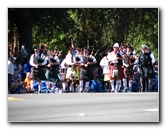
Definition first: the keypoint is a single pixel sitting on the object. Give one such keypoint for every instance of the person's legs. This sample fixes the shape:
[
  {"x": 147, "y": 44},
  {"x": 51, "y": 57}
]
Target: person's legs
[
  {"x": 81, "y": 85},
  {"x": 130, "y": 85},
  {"x": 112, "y": 85},
  {"x": 32, "y": 84},
  {"x": 86, "y": 86},
  {"x": 39, "y": 86},
  {"x": 124, "y": 84},
  {"x": 99, "y": 87},
  {"x": 92, "y": 85},
  {"x": 149, "y": 84},
  {"x": 118, "y": 85},
  {"x": 12, "y": 87},
  {"x": 143, "y": 84},
  {"x": 146, "y": 84},
  {"x": 64, "y": 86},
  {"x": 72, "y": 86}
]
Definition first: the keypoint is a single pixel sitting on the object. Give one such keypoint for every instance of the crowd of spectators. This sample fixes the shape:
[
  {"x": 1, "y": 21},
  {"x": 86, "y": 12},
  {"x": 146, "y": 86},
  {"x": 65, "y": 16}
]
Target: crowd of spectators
[{"x": 94, "y": 75}]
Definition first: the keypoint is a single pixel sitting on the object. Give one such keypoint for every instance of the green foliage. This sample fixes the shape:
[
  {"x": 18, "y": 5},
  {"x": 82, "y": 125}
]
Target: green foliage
[{"x": 101, "y": 26}]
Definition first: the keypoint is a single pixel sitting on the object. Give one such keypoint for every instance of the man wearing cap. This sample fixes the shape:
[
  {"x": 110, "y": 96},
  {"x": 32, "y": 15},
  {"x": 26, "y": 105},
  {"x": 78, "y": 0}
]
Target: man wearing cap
[
  {"x": 116, "y": 71},
  {"x": 144, "y": 62}
]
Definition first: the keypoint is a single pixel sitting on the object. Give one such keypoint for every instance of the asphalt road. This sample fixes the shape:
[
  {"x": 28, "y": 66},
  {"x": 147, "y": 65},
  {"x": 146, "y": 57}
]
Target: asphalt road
[{"x": 84, "y": 107}]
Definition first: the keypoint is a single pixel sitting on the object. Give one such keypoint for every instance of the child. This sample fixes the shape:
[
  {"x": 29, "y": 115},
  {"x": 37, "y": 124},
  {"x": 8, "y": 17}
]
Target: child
[
  {"x": 95, "y": 85},
  {"x": 27, "y": 82}
]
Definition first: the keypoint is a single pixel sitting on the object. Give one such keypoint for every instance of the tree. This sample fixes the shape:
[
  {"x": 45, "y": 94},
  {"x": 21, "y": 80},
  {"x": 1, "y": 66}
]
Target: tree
[{"x": 102, "y": 27}]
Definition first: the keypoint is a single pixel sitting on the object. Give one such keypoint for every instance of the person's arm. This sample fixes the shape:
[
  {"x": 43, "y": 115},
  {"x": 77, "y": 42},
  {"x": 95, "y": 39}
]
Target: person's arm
[
  {"x": 63, "y": 63},
  {"x": 136, "y": 61},
  {"x": 9, "y": 67},
  {"x": 93, "y": 62},
  {"x": 153, "y": 59},
  {"x": 68, "y": 60},
  {"x": 102, "y": 62},
  {"x": 57, "y": 61},
  {"x": 44, "y": 62},
  {"x": 31, "y": 61}
]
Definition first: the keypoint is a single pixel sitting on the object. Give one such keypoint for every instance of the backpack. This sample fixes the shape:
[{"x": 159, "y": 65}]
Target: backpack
[{"x": 145, "y": 60}]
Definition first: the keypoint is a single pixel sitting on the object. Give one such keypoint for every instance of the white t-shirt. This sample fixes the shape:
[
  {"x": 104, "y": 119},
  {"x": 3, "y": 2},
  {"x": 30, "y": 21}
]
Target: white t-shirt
[
  {"x": 105, "y": 65},
  {"x": 104, "y": 61},
  {"x": 10, "y": 67}
]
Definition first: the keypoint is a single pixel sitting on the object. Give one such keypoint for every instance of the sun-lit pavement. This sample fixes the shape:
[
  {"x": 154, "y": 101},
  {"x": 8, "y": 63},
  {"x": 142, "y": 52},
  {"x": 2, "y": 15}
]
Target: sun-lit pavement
[{"x": 84, "y": 107}]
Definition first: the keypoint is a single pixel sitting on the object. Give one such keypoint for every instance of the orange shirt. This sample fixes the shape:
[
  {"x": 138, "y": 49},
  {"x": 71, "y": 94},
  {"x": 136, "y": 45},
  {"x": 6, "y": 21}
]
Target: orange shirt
[{"x": 28, "y": 81}]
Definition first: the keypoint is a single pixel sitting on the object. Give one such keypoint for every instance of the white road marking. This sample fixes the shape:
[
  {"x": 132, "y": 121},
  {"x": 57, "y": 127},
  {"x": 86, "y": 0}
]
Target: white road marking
[
  {"x": 81, "y": 114},
  {"x": 151, "y": 110}
]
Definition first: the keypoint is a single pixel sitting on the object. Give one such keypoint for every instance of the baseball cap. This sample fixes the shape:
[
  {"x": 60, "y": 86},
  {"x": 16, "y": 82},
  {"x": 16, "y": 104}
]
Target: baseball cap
[{"x": 144, "y": 47}]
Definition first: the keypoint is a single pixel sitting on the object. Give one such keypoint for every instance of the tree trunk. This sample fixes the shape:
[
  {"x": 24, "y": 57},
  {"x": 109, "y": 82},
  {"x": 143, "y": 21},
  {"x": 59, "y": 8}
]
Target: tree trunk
[{"x": 25, "y": 34}]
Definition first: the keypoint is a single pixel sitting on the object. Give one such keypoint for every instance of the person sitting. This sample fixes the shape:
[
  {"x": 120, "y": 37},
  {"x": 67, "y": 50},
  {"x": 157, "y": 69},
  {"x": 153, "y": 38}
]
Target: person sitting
[
  {"x": 17, "y": 86},
  {"x": 27, "y": 82},
  {"x": 96, "y": 85}
]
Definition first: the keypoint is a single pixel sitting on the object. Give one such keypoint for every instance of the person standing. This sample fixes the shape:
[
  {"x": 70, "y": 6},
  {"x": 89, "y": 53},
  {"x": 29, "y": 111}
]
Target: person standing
[
  {"x": 128, "y": 69},
  {"x": 53, "y": 66},
  {"x": 83, "y": 70},
  {"x": 10, "y": 70},
  {"x": 69, "y": 60},
  {"x": 144, "y": 62},
  {"x": 89, "y": 65},
  {"x": 116, "y": 71},
  {"x": 38, "y": 63},
  {"x": 104, "y": 63},
  {"x": 152, "y": 74}
]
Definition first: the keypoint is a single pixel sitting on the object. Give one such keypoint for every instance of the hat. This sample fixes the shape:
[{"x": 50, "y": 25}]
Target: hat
[
  {"x": 35, "y": 47},
  {"x": 116, "y": 45},
  {"x": 144, "y": 47}
]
